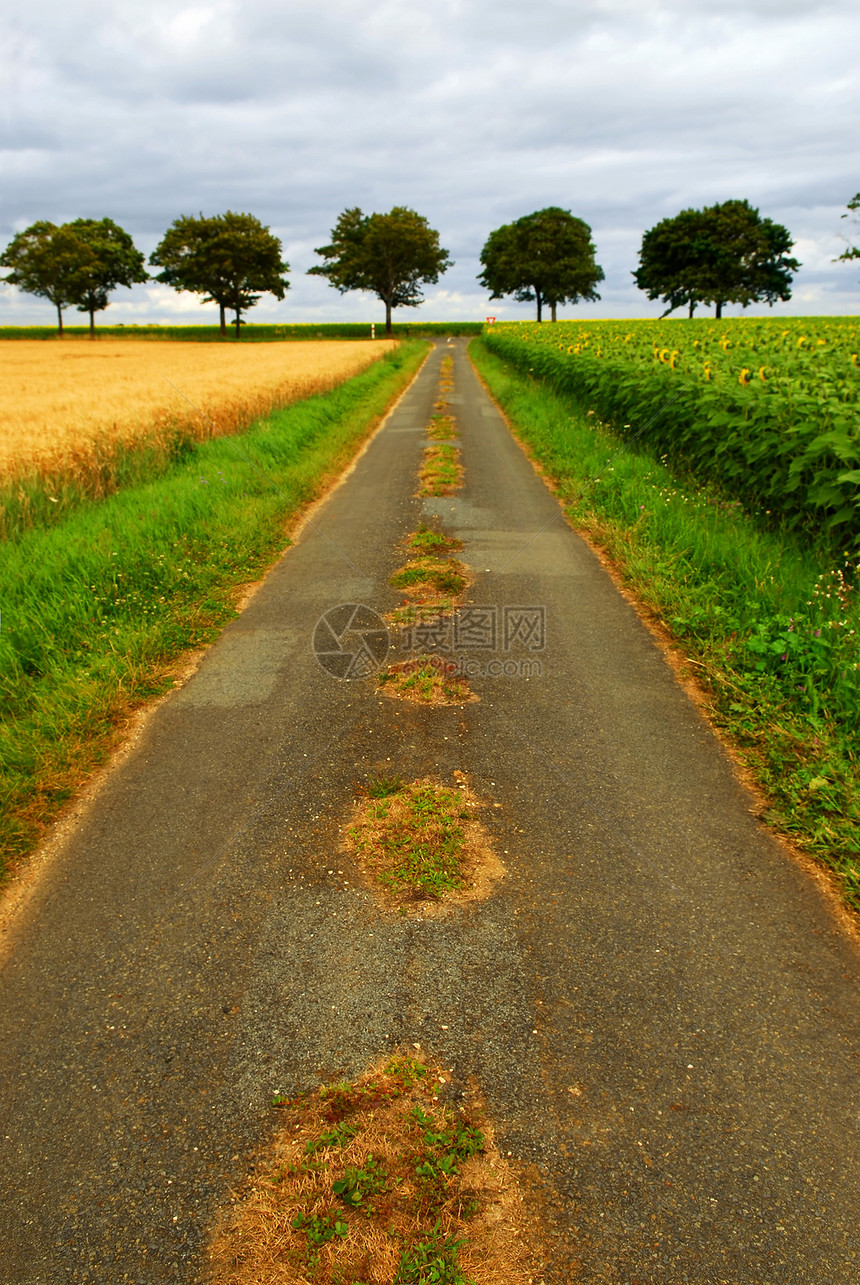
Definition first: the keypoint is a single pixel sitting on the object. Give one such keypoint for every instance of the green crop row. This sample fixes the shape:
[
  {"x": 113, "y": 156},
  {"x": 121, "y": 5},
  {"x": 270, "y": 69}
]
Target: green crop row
[
  {"x": 251, "y": 333},
  {"x": 768, "y": 409}
]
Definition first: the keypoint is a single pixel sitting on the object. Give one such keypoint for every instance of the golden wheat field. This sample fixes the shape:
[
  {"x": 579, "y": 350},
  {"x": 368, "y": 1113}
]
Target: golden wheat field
[{"x": 64, "y": 403}]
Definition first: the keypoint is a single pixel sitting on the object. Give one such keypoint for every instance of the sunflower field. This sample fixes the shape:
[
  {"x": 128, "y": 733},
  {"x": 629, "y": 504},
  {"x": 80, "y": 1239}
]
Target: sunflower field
[{"x": 766, "y": 408}]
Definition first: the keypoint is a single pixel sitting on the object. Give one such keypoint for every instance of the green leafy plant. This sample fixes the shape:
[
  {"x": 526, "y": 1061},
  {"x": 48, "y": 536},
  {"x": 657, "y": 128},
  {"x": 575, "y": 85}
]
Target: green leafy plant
[
  {"x": 340, "y": 1135},
  {"x": 431, "y": 1261},
  {"x": 320, "y": 1228},
  {"x": 360, "y": 1182}
]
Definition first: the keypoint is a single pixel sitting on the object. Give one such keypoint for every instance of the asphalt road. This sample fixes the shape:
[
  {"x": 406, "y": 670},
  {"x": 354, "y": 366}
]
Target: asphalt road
[{"x": 657, "y": 1002}]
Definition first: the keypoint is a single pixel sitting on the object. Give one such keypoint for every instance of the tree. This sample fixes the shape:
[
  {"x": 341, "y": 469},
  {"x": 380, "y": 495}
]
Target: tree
[
  {"x": 47, "y": 261},
  {"x": 853, "y": 251},
  {"x": 231, "y": 259},
  {"x": 390, "y": 255},
  {"x": 725, "y": 253},
  {"x": 547, "y": 256},
  {"x": 670, "y": 260},
  {"x": 110, "y": 260}
]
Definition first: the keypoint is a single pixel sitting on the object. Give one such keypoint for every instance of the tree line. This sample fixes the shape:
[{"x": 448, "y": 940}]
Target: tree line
[{"x": 725, "y": 253}]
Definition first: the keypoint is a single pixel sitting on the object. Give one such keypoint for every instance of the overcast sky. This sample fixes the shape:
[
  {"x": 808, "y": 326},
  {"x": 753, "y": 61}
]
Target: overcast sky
[{"x": 473, "y": 112}]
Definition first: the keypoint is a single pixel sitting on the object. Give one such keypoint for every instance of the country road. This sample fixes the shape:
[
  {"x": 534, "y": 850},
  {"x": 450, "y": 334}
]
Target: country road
[{"x": 657, "y": 1002}]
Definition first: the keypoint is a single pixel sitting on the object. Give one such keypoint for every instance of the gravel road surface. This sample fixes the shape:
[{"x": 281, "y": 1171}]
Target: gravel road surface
[{"x": 657, "y": 1002}]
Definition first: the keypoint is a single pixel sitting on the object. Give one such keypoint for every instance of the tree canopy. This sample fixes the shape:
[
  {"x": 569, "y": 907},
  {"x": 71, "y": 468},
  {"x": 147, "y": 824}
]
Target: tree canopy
[
  {"x": 547, "y": 256},
  {"x": 75, "y": 263},
  {"x": 390, "y": 255},
  {"x": 726, "y": 253},
  {"x": 230, "y": 259},
  {"x": 108, "y": 259},
  {"x": 853, "y": 251}
]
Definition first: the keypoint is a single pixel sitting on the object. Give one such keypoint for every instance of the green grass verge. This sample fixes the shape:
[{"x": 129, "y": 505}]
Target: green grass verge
[
  {"x": 772, "y": 625},
  {"x": 96, "y": 610}
]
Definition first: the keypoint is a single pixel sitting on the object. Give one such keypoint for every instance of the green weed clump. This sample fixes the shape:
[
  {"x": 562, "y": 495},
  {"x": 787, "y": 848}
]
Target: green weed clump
[
  {"x": 97, "y": 609},
  {"x": 770, "y": 618},
  {"x": 429, "y": 540},
  {"x": 442, "y": 472},
  {"x": 416, "y": 1194},
  {"x": 428, "y": 679},
  {"x": 413, "y": 840},
  {"x": 440, "y": 577}
]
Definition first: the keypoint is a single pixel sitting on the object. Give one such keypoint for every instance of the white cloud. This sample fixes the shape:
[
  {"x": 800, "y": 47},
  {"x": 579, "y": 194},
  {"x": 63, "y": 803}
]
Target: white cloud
[{"x": 472, "y": 112}]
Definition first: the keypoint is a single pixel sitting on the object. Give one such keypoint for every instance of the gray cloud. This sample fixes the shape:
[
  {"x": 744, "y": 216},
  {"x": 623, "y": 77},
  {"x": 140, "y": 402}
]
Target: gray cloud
[{"x": 472, "y": 112}]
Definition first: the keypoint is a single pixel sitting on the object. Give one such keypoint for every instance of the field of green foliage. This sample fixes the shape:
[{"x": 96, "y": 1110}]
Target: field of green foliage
[{"x": 766, "y": 408}]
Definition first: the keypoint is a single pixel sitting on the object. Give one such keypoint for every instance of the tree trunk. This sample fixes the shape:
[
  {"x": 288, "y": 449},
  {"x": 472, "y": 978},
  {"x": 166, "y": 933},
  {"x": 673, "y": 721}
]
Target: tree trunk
[
  {"x": 387, "y": 317},
  {"x": 718, "y": 314},
  {"x": 238, "y": 323},
  {"x": 223, "y": 312},
  {"x": 692, "y": 307},
  {"x": 553, "y": 317},
  {"x": 539, "y": 302},
  {"x": 92, "y": 324},
  {"x": 60, "y": 319}
]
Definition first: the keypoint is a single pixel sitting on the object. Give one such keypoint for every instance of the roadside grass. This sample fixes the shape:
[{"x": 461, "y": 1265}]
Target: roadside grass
[
  {"x": 771, "y": 624},
  {"x": 379, "y": 1181},
  {"x": 441, "y": 472},
  {"x": 419, "y": 840},
  {"x": 97, "y": 611}
]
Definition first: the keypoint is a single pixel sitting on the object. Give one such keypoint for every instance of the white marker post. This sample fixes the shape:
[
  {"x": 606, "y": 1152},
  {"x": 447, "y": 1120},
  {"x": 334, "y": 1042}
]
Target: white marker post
[{"x": 373, "y": 329}]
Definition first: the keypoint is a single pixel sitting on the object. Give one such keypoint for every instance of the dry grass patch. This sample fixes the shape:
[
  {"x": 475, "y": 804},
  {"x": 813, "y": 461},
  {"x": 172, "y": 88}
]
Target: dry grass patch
[
  {"x": 428, "y": 577},
  {"x": 66, "y": 406},
  {"x": 442, "y": 428},
  {"x": 442, "y": 471},
  {"x": 426, "y": 679},
  {"x": 432, "y": 581},
  {"x": 379, "y": 1182},
  {"x": 421, "y": 841}
]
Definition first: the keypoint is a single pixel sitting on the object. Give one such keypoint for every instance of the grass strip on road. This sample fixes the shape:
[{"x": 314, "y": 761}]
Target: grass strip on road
[
  {"x": 96, "y": 611},
  {"x": 771, "y": 625}
]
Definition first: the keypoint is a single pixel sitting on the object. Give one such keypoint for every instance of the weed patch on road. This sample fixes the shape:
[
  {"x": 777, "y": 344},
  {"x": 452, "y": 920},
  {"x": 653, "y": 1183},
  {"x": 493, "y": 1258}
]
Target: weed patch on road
[
  {"x": 442, "y": 428},
  {"x": 442, "y": 471},
  {"x": 421, "y": 842},
  {"x": 381, "y": 1181},
  {"x": 426, "y": 679},
  {"x": 431, "y": 577},
  {"x": 432, "y": 583}
]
